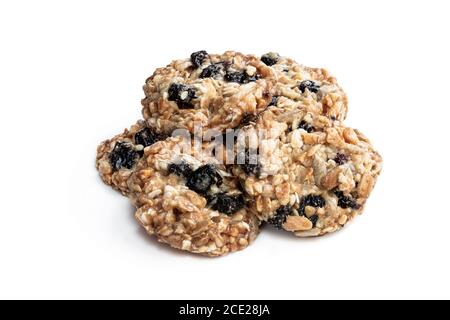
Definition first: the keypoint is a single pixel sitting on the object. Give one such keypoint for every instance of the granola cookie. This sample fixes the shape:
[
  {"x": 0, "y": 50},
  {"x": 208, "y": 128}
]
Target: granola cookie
[
  {"x": 185, "y": 198},
  {"x": 312, "y": 175},
  {"x": 118, "y": 157},
  {"x": 189, "y": 201},
  {"x": 220, "y": 91}
]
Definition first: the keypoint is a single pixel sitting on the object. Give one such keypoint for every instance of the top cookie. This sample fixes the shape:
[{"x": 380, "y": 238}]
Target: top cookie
[{"x": 220, "y": 91}]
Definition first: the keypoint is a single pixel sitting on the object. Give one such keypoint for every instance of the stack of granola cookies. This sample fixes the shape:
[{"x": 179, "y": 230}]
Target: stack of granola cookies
[{"x": 230, "y": 141}]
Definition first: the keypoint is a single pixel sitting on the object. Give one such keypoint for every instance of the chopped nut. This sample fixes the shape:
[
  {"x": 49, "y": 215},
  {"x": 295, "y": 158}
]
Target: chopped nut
[
  {"x": 313, "y": 138},
  {"x": 144, "y": 174},
  {"x": 342, "y": 220},
  {"x": 334, "y": 138},
  {"x": 330, "y": 180},
  {"x": 366, "y": 185},
  {"x": 296, "y": 223},
  {"x": 309, "y": 233},
  {"x": 310, "y": 211},
  {"x": 296, "y": 139},
  {"x": 350, "y": 136},
  {"x": 186, "y": 245},
  {"x": 243, "y": 242}
]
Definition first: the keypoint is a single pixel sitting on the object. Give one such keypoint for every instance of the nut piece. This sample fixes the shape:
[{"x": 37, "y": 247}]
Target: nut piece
[
  {"x": 330, "y": 181},
  {"x": 334, "y": 138},
  {"x": 296, "y": 223},
  {"x": 313, "y": 138},
  {"x": 366, "y": 185},
  {"x": 350, "y": 136}
]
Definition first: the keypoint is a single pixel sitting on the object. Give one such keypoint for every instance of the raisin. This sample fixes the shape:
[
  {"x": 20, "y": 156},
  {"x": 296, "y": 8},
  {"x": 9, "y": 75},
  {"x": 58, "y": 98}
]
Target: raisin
[
  {"x": 314, "y": 219},
  {"x": 310, "y": 85},
  {"x": 340, "y": 158},
  {"x": 314, "y": 201},
  {"x": 227, "y": 204},
  {"x": 280, "y": 217},
  {"x": 306, "y": 126},
  {"x": 270, "y": 58},
  {"x": 198, "y": 57},
  {"x": 211, "y": 71},
  {"x": 146, "y": 137},
  {"x": 181, "y": 169},
  {"x": 182, "y": 95},
  {"x": 250, "y": 165},
  {"x": 203, "y": 178},
  {"x": 311, "y": 200},
  {"x": 346, "y": 202},
  {"x": 239, "y": 77},
  {"x": 123, "y": 156}
]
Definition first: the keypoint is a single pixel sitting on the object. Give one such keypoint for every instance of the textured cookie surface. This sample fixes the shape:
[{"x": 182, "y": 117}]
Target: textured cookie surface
[
  {"x": 308, "y": 173},
  {"x": 117, "y": 157},
  {"x": 189, "y": 201},
  {"x": 186, "y": 199},
  {"x": 220, "y": 91},
  {"x": 312, "y": 175}
]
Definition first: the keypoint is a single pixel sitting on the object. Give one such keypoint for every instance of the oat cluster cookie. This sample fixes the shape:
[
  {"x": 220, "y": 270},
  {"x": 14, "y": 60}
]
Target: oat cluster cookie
[
  {"x": 219, "y": 91},
  {"x": 190, "y": 201},
  {"x": 313, "y": 175},
  {"x": 291, "y": 162}
]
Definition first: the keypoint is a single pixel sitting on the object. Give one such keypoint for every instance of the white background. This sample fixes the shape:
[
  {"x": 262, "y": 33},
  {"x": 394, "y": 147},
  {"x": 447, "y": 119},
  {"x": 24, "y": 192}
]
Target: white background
[{"x": 71, "y": 74}]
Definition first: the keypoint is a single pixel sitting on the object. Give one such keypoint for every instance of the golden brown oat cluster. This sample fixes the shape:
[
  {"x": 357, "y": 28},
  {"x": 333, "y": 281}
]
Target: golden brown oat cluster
[{"x": 307, "y": 173}]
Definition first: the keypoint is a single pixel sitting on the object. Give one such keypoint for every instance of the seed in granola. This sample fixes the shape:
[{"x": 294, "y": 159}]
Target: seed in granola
[
  {"x": 346, "y": 202},
  {"x": 306, "y": 126},
  {"x": 228, "y": 204},
  {"x": 146, "y": 137},
  {"x": 239, "y": 77},
  {"x": 340, "y": 158},
  {"x": 123, "y": 156},
  {"x": 311, "y": 200},
  {"x": 280, "y": 217},
  {"x": 310, "y": 85},
  {"x": 251, "y": 164},
  {"x": 181, "y": 169},
  {"x": 211, "y": 71},
  {"x": 182, "y": 95},
  {"x": 198, "y": 57},
  {"x": 270, "y": 58},
  {"x": 203, "y": 178}
]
